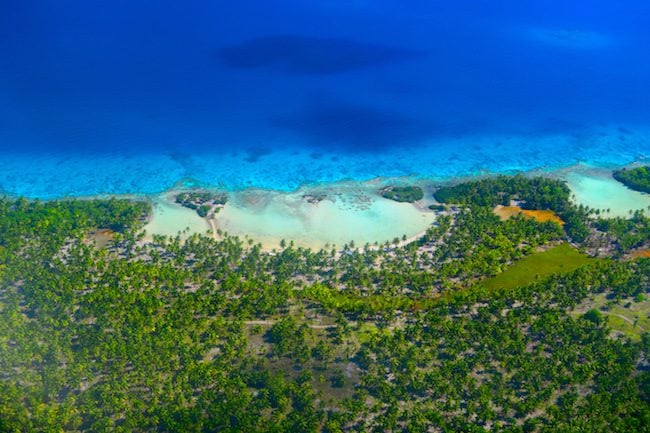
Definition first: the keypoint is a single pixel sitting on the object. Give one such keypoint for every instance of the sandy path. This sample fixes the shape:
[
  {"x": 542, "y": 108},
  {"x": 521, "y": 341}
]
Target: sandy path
[
  {"x": 272, "y": 322},
  {"x": 620, "y": 316},
  {"x": 213, "y": 227}
]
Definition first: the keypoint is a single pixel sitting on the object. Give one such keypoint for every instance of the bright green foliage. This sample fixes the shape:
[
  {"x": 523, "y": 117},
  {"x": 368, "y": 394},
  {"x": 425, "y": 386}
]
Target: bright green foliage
[
  {"x": 201, "y": 201},
  {"x": 533, "y": 193},
  {"x": 407, "y": 194},
  {"x": 627, "y": 233},
  {"x": 536, "y": 193},
  {"x": 594, "y": 316},
  {"x": 288, "y": 338},
  {"x": 637, "y": 178}
]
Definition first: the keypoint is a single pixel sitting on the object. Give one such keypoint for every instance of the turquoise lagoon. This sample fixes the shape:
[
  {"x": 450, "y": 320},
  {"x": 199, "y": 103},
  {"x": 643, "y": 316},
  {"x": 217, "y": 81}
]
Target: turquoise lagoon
[{"x": 595, "y": 187}]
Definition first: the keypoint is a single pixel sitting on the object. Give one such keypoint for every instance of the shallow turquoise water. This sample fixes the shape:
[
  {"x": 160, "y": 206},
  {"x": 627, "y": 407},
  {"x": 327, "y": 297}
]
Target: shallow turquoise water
[
  {"x": 351, "y": 212},
  {"x": 52, "y": 175},
  {"x": 133, "y": 97},
  {"x": 599, "y": 190}
]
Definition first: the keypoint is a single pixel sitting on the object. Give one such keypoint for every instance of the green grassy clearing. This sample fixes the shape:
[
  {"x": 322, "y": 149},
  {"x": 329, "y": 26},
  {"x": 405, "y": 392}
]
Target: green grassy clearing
[
  {"x": 626, "y": 316},
  {"x": 557, "y": 260}
]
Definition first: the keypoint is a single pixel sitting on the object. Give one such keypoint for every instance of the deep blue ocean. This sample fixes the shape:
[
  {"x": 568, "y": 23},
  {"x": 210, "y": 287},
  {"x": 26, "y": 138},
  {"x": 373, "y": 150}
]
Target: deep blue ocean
[{"x": 135, "y": 96}]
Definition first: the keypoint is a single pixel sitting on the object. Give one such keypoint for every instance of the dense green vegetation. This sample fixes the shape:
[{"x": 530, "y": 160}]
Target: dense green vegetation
[
  {"x": 408, "y": 194},
  {"x": 625, "y": 233},
  {"x": 203, "y": 202},
  {"x": 532, "y": 193},
  {"x": 637, "y": 178},
  {"x": 215, "y": 335}
]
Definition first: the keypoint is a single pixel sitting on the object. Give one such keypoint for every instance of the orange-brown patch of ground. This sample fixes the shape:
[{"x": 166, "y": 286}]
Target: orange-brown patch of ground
[
  {"x": 543, "y": 215},
  {"x": 505, "y": 212},
  {"x": 641, "y": 254}
]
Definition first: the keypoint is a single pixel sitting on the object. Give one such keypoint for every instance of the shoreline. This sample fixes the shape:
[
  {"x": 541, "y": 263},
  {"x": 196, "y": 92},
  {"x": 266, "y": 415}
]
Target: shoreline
[
  {"x": 343, "y": 213},
  {"x": 349, "y": 208},
  {"x": 269, "y": 216}
]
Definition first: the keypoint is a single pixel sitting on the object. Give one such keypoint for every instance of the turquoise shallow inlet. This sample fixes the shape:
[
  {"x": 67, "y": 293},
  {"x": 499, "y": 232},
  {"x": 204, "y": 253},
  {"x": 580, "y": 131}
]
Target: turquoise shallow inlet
[
  {"x": 599, "y": 190},
  {"x": 130, "y": 98}
]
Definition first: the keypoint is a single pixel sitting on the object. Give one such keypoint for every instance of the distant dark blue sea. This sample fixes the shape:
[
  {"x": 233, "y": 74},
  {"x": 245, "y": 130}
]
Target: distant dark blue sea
[{"x": 135, "y": 96}]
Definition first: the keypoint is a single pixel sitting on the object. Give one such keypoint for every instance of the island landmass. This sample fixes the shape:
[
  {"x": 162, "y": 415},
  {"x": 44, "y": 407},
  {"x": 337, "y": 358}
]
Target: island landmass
[
  {"x": 403, "y": 194},
  {"x": 482, "y": 323},
  {"x": 637, "y": 178}
]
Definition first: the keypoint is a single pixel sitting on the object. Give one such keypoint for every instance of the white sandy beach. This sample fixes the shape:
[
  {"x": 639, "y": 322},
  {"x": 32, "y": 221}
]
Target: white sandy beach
[
  {"x": 348, "y": 211},
  {"x": 170, "y": 218},
  {"x": 349, "y": 215}
]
